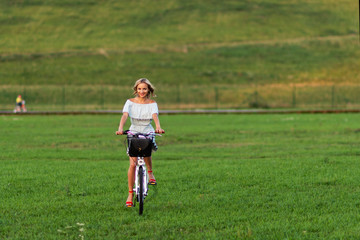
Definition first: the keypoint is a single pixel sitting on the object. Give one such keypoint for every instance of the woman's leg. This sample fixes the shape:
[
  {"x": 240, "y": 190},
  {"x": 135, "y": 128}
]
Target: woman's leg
[
  {"x": 148, "y": 162},
  {"x": 131, "y": 177}
]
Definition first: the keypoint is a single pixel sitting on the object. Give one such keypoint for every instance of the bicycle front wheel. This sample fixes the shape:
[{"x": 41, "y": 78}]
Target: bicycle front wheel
[{"x": 141, "y": 191}]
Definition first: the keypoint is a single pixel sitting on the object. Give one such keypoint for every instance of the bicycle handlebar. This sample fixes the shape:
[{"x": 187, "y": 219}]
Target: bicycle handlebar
[{"x": 126, "y": 132}]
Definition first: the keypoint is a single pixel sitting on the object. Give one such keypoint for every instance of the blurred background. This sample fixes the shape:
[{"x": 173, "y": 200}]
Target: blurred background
[{"x": 207, "y": 54}]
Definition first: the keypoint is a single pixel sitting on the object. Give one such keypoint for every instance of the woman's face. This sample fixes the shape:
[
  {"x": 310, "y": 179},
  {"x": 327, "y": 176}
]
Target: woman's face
[{"x": 142, "y": 90}]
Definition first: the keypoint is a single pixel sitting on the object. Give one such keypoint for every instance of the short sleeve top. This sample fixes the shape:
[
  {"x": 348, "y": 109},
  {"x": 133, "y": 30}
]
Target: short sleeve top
[{"x": 141, "y": 115}]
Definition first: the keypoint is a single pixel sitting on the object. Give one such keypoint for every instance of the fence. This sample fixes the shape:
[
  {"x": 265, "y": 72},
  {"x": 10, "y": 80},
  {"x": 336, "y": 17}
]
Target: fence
[{"x": 70, "y": 97}]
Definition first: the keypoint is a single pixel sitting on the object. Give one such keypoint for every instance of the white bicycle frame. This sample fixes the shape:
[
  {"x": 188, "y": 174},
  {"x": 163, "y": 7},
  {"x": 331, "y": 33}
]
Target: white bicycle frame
[{"x": 141, "y": 162}]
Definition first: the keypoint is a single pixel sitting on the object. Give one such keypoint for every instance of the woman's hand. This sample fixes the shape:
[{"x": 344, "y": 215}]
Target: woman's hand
[
  {"x": 120, "y": 132},
  {"x": 159, "y": 130}
]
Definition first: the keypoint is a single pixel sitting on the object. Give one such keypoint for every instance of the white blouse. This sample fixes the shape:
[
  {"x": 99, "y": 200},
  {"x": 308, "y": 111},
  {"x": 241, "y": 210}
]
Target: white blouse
[{"x": 141, "y": 116}]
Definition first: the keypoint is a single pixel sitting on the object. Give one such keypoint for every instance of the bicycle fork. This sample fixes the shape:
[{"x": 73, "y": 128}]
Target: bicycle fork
[{"x": 141, "y": 167}]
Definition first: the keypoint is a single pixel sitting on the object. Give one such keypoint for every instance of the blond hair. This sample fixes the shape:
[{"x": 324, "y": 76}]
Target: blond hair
[{"x": 150, "y": 86}]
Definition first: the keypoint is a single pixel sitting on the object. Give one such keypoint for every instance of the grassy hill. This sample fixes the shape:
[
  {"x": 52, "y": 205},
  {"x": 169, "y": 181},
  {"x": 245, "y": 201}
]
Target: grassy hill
[{"x": 190, "y": 42}]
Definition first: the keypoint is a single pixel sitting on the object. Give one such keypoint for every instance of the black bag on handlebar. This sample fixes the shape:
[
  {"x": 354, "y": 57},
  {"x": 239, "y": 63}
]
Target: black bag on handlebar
[{"x": 139, "y": 147}]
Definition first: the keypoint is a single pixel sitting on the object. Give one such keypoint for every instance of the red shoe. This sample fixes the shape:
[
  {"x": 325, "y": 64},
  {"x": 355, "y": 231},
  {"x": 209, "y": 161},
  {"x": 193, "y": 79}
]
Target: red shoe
[
  {"x": 129, "y": 204},
  {"x": 152, "y": 181}
]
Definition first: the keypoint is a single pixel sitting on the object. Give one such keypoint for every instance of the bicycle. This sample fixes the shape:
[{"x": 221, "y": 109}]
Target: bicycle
[{"x": 140, "y": 146}]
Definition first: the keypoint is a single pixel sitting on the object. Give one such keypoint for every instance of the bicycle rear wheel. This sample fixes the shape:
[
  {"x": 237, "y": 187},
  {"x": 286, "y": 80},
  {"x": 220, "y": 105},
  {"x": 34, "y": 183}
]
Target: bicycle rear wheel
[{"x": 141, "y": 192}]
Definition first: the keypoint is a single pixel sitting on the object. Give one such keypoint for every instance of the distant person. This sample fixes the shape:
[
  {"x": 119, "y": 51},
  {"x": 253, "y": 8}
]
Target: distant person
[
  {"x": 20, "y": 104},
  {"x": 23, "y": 106},
  {"x": 141, "y": 110}
]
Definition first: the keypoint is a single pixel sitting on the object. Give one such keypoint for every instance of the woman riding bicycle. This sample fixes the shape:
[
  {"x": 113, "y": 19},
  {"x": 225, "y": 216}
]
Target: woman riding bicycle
[{"x": 141, "y": 110}]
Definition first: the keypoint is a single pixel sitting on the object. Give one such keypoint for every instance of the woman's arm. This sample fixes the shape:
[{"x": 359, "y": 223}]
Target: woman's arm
[
  {"x": 157, "y": 123},
  {"x": 122, "y": 123}
]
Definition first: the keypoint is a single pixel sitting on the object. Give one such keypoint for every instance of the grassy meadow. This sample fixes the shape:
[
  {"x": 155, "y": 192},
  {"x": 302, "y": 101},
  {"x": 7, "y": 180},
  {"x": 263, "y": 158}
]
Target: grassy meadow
[
  {"x": 54, "y": 25},
  {"x": 278, "y": 176},
  {"x": 284, "y": 176},
  {"x": 177, "y": 44}
]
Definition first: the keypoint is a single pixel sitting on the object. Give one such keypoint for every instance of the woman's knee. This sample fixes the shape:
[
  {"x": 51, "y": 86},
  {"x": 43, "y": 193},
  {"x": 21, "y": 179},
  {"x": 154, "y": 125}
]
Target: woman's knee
[{"x": 132, "y": 162}]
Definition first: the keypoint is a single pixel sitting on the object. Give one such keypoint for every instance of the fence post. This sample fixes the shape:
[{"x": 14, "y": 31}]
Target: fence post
[
  {"x": 102, "y": 102},
  {"x": 256, "y": 98},
  {"x": 294, "y": 97},
  {"x": 24, "y": 93},
  {"x": 333, "y": 96},
  {"x": 63, "y": 98},
  {"x": 216, "y": 97},
  {"x": 178, "y": 95}
]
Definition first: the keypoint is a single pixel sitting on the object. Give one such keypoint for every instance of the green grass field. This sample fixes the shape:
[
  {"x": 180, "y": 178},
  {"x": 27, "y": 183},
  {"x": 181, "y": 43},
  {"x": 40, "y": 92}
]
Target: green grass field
[{"x": 219, "y": 177}]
